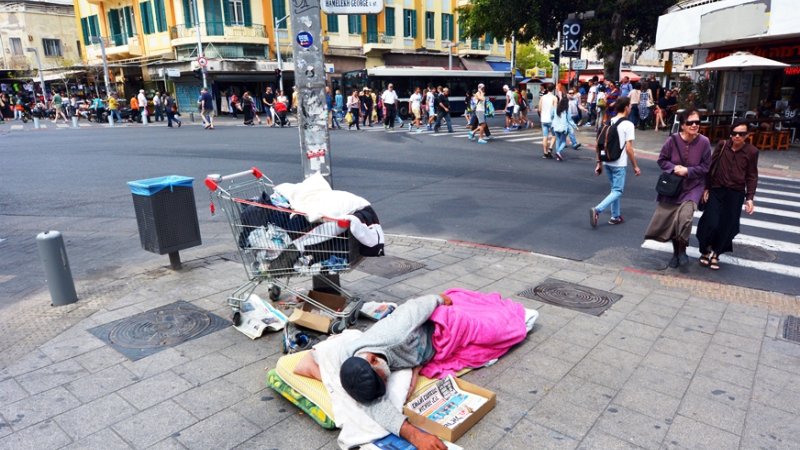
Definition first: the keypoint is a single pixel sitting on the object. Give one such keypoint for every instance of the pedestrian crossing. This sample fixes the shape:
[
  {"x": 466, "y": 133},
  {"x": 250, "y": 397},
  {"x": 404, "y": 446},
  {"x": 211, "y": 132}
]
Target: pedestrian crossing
[
  {"x": 498, "y": 134},
  {"x": 771, "y": 231}
]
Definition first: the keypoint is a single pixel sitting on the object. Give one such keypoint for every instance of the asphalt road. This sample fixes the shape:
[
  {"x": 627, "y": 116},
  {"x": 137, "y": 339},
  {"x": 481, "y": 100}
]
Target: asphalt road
[{"x": 443, "y": 186}]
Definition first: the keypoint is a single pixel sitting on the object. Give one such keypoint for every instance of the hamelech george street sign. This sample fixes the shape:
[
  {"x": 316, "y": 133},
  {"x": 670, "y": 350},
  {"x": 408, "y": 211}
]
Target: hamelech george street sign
[{"x": 352, "y": 6}]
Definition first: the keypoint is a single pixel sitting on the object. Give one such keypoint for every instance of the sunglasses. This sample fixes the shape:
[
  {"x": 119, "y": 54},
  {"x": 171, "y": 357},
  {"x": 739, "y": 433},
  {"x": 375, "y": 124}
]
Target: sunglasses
[
  {"x": 690, "y": 123},
  {"x": 739, "y": 133}
]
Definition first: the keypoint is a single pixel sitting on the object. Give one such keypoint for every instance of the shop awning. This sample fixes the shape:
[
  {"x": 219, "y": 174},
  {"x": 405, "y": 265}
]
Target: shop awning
[
  {"x": 625, "y": 73},
  {"x": 503, "y": 66}
]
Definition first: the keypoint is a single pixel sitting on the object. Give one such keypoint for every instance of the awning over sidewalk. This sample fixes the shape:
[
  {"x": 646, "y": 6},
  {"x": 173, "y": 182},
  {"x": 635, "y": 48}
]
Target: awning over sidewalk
[
  {"x": 625, "y": 73},
  {"x": 503, "y": 66}
]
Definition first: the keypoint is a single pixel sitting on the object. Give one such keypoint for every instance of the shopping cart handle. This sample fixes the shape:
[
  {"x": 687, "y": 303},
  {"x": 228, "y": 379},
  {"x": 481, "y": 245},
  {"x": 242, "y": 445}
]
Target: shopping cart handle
[
  {"x": 213, "y": 180},
  {"x": 343, "y": 223}
]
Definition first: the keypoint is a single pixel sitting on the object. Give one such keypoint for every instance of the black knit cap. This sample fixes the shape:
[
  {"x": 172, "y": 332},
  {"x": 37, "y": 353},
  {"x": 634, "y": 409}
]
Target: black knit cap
[{"x": 360, "y": 380}]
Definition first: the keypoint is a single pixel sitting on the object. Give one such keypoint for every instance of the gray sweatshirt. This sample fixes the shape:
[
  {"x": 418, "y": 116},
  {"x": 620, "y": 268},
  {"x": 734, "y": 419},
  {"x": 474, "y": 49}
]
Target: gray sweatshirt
[{"x": 404, "y": 338}]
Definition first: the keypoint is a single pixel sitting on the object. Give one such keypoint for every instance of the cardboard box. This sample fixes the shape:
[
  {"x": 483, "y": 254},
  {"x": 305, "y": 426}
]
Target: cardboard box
[
  {"x": 315, "y": 319},
  {"x": 453, "y": 434}
]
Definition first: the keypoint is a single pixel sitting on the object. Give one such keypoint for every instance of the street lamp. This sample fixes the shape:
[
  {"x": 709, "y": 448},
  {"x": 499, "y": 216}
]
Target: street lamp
[
  {"x": 99, "y": 40},
  {"x": 278, "y": 49},
  {"x": 41, "y": 74},
  {"x": 199, "y": 40}
]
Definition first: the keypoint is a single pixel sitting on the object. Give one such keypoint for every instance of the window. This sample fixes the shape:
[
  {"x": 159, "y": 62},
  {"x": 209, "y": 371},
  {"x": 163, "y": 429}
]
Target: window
[
  {"x": 430, "y": 32},
  {"x": 161, "y": 15},
  {"x": 333, "y": 23},
  {"x": 237, "y": 12},
  {"x": 147, "y": 18},
  {"x": 389, "y": 13},
  {"x": 16, "y": 46},
  {"x": 354, "y": 24},
  {"x": 52, "y": 47},
  {"x": 279, "y": 12},
  {"x": 447, "y": 27},
  {"x": 90, "y": 27},
  {"x": 409, "y": 23},
  {"x": 188, "y": 13},
  {"x": 127, "y": 13}
]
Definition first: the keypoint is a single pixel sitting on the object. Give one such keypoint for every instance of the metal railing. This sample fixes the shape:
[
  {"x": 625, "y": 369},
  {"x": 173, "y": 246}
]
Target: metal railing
[{"x": 218, "y": 29}]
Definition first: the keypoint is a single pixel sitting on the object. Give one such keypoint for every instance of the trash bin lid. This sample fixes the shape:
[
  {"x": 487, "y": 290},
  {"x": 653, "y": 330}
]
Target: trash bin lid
[{"x": 152, "y": 186}]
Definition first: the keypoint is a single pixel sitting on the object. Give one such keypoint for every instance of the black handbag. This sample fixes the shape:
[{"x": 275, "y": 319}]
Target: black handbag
[{"x": 669, "y": 184}]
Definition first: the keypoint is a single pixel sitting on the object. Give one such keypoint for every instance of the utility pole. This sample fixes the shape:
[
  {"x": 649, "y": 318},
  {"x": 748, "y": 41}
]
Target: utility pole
[
  {"x": 199, "y": 40},
  {"x": 99, "y": 40},
  {"x": 278, "y": 50},
  {"x": 41, "y": 74},
  {"x": 513, "y": 60}
]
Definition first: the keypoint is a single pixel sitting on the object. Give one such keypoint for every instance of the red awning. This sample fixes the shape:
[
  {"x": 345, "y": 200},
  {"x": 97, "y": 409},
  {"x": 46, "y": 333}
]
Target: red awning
[{"x": 625, "y": 73}]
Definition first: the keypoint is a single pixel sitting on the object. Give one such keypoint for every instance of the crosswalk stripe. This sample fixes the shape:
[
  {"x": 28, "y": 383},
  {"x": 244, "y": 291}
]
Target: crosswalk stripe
[
  {"x": 16, "y": 127},
  {"x": 774, "y": 192},
  {"x": 528, "y": 138},
  {"x": 777, "y": 201},
  {"x": 763, "y": 224},
  {"x": 762, "y": 183},
  {"x": 779, "y": 212},
  {"x": 781, "y": 269},
  {"x": 768, "y": 244}
]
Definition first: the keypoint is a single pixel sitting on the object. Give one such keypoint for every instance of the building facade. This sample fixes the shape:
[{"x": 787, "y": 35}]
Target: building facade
[{"x": 154, "y": 43}]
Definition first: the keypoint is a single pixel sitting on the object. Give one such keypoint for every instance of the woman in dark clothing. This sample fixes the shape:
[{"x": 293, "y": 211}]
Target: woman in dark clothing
[
  {"x": 247, "y": 106},
  {"x": 731, "y": 182},
  {"x": 688, "y": 155}
]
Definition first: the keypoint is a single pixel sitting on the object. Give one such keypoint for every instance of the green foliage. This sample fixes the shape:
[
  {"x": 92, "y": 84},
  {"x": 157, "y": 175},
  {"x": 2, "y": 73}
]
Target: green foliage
[
  {"x": 530, "y": 56},
  {"x": 694, "y": 94}
]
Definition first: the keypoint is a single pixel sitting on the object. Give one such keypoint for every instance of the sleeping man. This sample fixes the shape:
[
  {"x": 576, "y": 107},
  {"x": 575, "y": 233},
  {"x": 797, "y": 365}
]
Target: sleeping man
[{"x": 434, "y": 335}]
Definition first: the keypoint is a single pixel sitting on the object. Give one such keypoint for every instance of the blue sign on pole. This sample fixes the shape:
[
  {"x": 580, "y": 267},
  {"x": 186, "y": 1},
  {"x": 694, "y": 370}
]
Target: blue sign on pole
[{"x": 304, "y": 39}]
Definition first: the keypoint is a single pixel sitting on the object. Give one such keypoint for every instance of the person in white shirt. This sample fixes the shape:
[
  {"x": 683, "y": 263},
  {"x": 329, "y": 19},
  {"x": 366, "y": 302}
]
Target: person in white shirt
[
  {"x": 389, "y": 98},
  {"x": 415, "y": 103},
  {"x": 591, "y": 102},
  {"x": 511, "y": 103},
  {"x": 158, "y": 108},
  {"x": 547, "y": 107},
  {"x": 430, "y": 101},
  {"x": 142, "y": 99}
]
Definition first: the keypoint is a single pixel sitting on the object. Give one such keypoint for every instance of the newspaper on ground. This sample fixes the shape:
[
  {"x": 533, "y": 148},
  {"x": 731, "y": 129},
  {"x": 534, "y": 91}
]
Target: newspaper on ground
[
  {"x": 257, "y": 316},
  {"x": 445, "y": 403}
]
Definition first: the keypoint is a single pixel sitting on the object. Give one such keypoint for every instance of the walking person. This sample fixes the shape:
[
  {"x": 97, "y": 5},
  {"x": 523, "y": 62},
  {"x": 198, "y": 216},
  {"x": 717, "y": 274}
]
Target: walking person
[
  {"x": 575, "y": 113},
  {"x": 443, "y": 111},
  {"x": 113, "y": 108},
  {"x": 389, "y": 98},
  {"x": 171, "y": 108},
  {"x": 58, "y": 106},
  {"x": 511, "y": 106},
  {"x": 206, "y": 109},
  {"x": 561, "y": 123},
  {"x": 247, "y": 107},
  {"x": 353, "y": 108},
  {"x": 547, "y": 105},
  {"x": 158, "y": 107},
  {"x": 731, "y": 182},
  {"x": 620, "y": 133},
  {"x": 636, "y": 96},
  {"x": 235, "y": 106},
  {"x": 339, "y": 106},
  {"x": 645, "y": 106},
  {"x": 142, "y": 100},
  {"x": 332, "y": 121},
  {"x": 415, "y": 106},
  {"x": 268, "y": 101},
  {"x": 479, "y": 100},
  {"x": 366, "y": 107},
  {"x": 686, "y": 154},
  {"x": 591, "y": 102}
]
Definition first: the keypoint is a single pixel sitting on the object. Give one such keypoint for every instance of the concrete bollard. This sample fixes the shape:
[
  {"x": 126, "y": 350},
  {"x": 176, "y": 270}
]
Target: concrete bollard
[
  {"x": 74, "y": 121},
  {"x": 111, "y": 120},
  {"x": 36, "y": 123},
  {"x": 56, "y": 268}
]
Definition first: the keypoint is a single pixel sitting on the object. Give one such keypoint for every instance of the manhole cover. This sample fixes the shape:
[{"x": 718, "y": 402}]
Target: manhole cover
[
  {"x": 389, "y": 266},
  {"x": 152, "y": 331},
  {"x": 791, "y": 328},
  {"x": 572, "y": 296},
  {"x": 753, "y": 253}
]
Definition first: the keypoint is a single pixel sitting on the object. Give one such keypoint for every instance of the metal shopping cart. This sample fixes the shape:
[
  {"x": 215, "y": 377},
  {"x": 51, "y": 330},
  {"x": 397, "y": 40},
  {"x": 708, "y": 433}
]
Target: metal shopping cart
[{"x": 277, "y": 244}]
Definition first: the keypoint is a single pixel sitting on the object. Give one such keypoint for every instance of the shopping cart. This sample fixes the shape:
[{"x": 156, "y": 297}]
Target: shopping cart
[{"x": 277, "y": 244}]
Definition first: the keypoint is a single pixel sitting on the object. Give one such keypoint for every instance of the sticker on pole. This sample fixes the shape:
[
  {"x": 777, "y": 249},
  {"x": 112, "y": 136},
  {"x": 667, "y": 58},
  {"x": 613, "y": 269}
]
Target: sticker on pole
[
  {"x": 202, "y": 61},
  {"x": 351, "y": 6},
  {"x": 305, "y": 39}
]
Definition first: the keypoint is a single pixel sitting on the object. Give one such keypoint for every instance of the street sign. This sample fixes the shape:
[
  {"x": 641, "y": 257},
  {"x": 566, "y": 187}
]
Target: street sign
[
  {"x": 580, "y": 64},
  {"x": 173, "y": 73},
  {"x": 571, "y": 35},
  {"x": 202, "y": 61},
  {"x": 351, "y": 6}
]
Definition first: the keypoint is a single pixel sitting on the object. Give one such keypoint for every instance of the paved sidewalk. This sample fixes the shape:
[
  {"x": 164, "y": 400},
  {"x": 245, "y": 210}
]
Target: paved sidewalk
[{"x": 675, "y": 363}]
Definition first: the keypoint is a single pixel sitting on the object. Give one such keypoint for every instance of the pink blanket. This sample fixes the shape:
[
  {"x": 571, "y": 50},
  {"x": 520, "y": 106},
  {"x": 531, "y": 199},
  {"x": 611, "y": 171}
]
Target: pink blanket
[{"x": 476, "y": 329}]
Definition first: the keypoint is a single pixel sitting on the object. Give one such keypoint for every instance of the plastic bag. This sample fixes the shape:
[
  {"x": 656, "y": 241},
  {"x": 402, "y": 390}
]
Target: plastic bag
[{"x": 269, "y": 241}]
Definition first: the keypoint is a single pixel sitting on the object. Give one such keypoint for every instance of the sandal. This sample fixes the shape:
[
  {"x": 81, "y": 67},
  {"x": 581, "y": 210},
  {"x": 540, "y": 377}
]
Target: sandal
[
  {"x": 705, "y": 259},
  {"x": 713, "y": 262}
]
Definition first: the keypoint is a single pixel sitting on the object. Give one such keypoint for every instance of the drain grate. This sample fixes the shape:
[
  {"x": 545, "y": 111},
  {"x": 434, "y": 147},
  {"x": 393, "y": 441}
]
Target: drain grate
[
  {"x": 791, "y": 328},
  {"x": 572, "y": 296},
  {"x": 152, "y": 331},
  {"x": 389, "y": 266},
  {"x": 753, "y": 253}
]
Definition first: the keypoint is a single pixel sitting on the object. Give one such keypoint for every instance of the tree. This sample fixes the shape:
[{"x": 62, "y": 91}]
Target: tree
[
  {"x": 616, "y": 24},
  {"x": 530, "y": 56}
]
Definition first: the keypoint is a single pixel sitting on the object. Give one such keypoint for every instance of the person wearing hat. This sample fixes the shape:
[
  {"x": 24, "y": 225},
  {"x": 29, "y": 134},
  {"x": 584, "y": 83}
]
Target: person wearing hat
[{"x": 142, "y": 100}]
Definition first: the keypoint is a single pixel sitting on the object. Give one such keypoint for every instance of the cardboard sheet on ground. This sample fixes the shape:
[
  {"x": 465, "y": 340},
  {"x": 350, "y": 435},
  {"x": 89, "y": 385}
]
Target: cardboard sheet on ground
[{"x": 257, "y": 316}]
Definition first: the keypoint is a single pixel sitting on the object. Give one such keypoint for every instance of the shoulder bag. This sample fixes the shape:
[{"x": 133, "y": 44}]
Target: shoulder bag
[{"x": 669, "y": 184}]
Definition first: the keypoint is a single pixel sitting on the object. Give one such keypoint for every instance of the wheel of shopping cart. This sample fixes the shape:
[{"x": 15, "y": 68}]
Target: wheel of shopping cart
[
  {"x": 352, "y": 318},
  {"x": 274, "y": 292},
  {"x": 338, "y": 326},
  {"x": 236, "y": 318}
]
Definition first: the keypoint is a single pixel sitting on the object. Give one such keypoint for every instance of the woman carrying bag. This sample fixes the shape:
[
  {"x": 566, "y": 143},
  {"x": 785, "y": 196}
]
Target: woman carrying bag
[{"x": 684, "y": 159}]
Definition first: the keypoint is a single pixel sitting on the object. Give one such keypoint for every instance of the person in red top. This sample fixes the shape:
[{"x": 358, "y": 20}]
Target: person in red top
[{"x": 730, "y": 183}]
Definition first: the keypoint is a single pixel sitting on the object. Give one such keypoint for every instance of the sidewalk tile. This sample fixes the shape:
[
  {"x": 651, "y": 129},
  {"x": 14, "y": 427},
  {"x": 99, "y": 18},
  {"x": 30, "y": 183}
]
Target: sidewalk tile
[
  {"x": 730, "y": 373},
  {"x": 740, "y": 329},
  {"x": 482, "y": 435},
  {"x": 104, "y": 439},
  {"x": 51, "y": 376},
  {"x": 618, "y": 358},
  {"x": 11, "y": 391},
  {"x": 100, "y": 358},
  {"x": 777, "y": 428},
  {"x": 59, "y": 350},
  {"x": 602, "y": 373},
  {"x": 528, "y": 433},
  {"x": 157, "y": 363},
  {"x": 648, "y": 318},
  {"x": 639, "y": 398},
  {"x": 39, "y": 407},
  {"x": 564, "y": 417},
  {"x": 661, "y": 381},
  {"x": 579, "y": 336},
  {"x": 153, "y": 390},
  {"x": 597, "y": 440},
  {"x": 45, "y": 436},
  {"x": 583, "y": 393},
  {"x": 32, "y": 361},
  {"x": 674, "y": 300},
  {"x": 631, "y": 426},
  {"x": 562, "y": 350},
  {"x": 694, "y": 310},
  {"x": 154, "y": 424},
  {"x": 214, "y": 342},
  {"x": 778, "y": 378},
  {"x": 101, "y": 383},
  {"x": 92, "y": 417},
  {"x": 689, "y": 433},
  {"x": 669, "y": 363},
  {"x": 721, "y": 391},
  {"x": 211, "y": 397},
  {"x": 265, "y": 408},
  {"x": 754, "y": 312},
  {"x": 782, "y": 398},
  {"x": 628, "y": 342},
  {"x": 730, "y": 356},
  {"x": 205, "y": 368},
  {"x": 712, "y": 413},
  {"x": 716, "y": 306},
  {"x": 641, "y": 330},
  {"x": 689, "y": 321},
  {"x": 737, "y": 342},
  {"x": 687, "y": 335},
  {"x": 5, "y": 428},
  {"x": 228, "y": 429},
  {"x": 170, "y": 443},
  {"x": 534, "y": 365},
  {"x": 250, "y": 377},
  {"x": 512, "y": 407},
  {"x": 693, "y": 352}
]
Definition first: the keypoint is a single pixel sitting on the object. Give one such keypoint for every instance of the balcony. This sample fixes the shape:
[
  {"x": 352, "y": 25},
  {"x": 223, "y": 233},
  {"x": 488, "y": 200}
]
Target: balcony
[
  {"x": 378, "y": 42},
  {"x": 219, "y": 32},
  {"x": 475, "y": 47},
  {"x": 118, "y": 46}
]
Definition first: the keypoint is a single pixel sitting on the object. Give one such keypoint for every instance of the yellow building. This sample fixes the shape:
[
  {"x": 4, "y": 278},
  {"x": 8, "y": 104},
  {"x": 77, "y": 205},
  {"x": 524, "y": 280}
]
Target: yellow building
[
  {"x": 153, "y": 43},
  {"x": 46, "y": 26}
]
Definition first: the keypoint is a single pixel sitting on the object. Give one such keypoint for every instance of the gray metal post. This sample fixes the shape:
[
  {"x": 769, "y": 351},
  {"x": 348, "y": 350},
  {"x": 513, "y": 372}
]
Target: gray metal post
[
  {"x": 278, "y": 49},
  {"x": 41, "y": 74},
  {"x": 513, "y": 60},
  {"x": 199, "y": 40},
  {"x": 309, "y": 75},
  {"x": 56, "y": 268}
]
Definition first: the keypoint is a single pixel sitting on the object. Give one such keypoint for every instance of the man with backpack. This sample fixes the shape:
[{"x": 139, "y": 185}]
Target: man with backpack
[{"x": 614, "y": 149}]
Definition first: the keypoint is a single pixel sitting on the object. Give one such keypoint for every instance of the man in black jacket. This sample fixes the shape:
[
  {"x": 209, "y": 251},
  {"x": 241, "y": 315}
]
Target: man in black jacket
[{"x": 443, "y": 111}]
